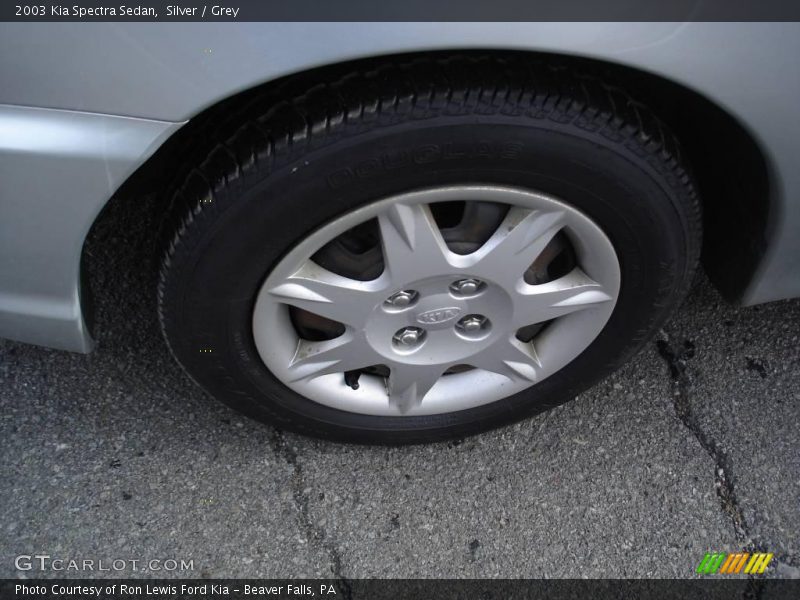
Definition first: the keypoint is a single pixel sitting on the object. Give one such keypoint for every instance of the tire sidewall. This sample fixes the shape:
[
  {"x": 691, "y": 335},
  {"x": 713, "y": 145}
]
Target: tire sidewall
[{"x": 215, "y": 276}]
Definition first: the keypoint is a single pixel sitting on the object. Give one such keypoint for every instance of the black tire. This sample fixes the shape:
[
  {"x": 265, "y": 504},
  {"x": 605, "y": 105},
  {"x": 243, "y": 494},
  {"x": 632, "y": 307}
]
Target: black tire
[{"x": 373, "y": 134}]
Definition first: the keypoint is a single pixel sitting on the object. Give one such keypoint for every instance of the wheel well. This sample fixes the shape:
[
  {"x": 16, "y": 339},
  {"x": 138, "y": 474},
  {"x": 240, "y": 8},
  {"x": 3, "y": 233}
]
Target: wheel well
[{"x": 730, "y": 169}]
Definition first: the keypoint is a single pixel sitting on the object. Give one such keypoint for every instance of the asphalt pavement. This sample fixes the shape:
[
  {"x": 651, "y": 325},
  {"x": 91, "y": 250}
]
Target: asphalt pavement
[{"x": 117, "y": 455}]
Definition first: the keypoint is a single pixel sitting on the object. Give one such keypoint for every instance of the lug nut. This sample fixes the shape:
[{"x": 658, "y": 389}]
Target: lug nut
[
  {"x": 473, "y": 324},
  {"x": 402, "y": 298},
  {"x": 466, "y": 287},
  {"x": 409, "y": 336}
]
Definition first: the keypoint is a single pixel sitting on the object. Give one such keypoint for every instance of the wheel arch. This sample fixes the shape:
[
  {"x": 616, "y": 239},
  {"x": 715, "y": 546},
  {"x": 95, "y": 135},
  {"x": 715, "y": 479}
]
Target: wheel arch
[{"x": 732, "y": 170}]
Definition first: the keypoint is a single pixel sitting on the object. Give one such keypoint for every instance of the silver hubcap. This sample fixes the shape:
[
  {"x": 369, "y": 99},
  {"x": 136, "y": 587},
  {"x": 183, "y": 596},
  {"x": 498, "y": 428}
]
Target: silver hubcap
[{"x": 444, "y": 324}]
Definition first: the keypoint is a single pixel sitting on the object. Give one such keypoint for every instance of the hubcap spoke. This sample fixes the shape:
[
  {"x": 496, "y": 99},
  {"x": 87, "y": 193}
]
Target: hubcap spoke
[
  {"x": 412, "y": 242},
  {"x": 329, "y": 295},
  {"x": 573, "y": 292},
  {"x": 517, "y": 242},
  {"x": 408, "y": 384},
  {"x": 347, "y": 352},
  {"x": 511, "y": 358}
]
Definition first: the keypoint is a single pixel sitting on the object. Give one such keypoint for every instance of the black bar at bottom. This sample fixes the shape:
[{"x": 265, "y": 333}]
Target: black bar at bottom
[{"x": 712, "y": 587}]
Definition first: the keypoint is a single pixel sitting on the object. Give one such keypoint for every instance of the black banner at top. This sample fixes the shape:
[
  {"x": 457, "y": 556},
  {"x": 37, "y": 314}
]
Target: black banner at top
[{"x": 404, "y": 10}]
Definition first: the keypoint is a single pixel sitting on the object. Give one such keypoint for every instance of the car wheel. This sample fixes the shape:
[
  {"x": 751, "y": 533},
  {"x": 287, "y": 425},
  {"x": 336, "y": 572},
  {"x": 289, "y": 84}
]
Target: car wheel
[{"x": 427, "y": 250}]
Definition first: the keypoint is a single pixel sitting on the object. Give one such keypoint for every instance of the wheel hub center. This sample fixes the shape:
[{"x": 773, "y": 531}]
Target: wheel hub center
[{"x": 449, "y": 319}]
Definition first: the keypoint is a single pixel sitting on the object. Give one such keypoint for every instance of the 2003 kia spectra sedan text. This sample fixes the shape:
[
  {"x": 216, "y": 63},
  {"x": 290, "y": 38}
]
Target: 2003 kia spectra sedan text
[{"x": 398, "y": 232}]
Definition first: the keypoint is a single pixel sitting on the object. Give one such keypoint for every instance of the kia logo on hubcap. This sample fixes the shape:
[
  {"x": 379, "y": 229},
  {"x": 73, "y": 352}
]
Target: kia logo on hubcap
[{"x": 438, "y": 315}]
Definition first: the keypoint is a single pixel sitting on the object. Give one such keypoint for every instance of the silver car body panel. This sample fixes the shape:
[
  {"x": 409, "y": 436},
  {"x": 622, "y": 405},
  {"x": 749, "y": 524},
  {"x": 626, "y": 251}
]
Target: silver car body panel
[
  {"x": 120, "y": 90},
  {"x": 57, "y": 170}
]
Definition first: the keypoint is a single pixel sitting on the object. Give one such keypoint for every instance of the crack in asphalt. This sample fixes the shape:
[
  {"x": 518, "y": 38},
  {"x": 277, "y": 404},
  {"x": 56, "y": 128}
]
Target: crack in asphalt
[
  {"x": 300, "y": 497},
  {"x": 676, "y": 359}
]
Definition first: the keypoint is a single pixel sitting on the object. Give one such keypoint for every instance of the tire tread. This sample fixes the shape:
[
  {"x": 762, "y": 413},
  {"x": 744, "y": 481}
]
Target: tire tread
[{"x": 283, "y": 123}]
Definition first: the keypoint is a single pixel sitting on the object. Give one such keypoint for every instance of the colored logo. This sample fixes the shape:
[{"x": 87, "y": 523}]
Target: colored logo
[{"x": 731, "y": 564}]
